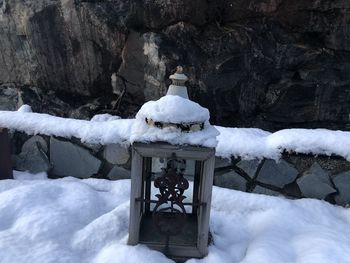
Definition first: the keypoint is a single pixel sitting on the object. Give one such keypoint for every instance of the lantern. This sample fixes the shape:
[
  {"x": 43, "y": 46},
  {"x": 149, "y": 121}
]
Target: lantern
[{"x": 172, "y": 175}]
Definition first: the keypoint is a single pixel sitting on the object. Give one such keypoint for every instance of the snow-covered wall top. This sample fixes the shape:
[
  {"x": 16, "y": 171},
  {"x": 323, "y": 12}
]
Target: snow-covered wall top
[
  {"x": 250, "y": 143},
  {"x": 247, "y": 143}
]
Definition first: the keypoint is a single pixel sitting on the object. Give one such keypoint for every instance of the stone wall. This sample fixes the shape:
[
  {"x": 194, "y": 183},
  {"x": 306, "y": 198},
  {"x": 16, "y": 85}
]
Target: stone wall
[
  {"x": 60, "y": 157},
  {"x": 294, "y": 176}
]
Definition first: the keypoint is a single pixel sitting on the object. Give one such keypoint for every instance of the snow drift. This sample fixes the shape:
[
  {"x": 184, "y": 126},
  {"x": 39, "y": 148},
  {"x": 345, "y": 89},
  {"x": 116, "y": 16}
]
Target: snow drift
[{"x": 72, "y": 220}]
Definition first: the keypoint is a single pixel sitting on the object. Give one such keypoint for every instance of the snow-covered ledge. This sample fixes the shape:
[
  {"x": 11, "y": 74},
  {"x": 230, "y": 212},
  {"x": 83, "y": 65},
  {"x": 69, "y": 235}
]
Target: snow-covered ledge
[{"x": 246, "y": 143}]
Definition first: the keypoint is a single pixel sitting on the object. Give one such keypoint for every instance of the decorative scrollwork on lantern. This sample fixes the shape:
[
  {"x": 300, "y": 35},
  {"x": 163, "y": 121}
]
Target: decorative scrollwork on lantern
[{"x": 169, "y": 213}]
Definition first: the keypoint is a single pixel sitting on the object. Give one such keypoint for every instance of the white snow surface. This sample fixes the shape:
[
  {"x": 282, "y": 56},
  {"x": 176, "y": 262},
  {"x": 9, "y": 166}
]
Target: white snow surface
[
  {"x": 107, "y": 132},
  {"x": 173, "y": 109},
  {"x": 72, "y": 220},
  {"x": 248, "y": 143},
  {"x": 251, "y": 143},
  {"x": 25, "y": 108},
  {"x": 141, "y": 132},
  {"x": 104, "y": 117}
]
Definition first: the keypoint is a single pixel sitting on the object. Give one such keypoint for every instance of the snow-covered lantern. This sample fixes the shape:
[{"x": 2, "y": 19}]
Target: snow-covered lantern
[{"x": 173, "y": 157}]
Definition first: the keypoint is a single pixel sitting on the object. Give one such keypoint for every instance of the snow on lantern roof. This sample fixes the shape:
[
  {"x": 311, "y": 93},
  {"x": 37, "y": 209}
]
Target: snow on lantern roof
[
  {"x": 174, "y": 119},
  {"x": 173, "y": 109}
]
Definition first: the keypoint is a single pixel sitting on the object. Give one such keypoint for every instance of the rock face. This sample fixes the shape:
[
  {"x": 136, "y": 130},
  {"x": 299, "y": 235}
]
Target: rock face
[
  {"x": 8, "y": 97},
  {"x": 269, "y": 64}
]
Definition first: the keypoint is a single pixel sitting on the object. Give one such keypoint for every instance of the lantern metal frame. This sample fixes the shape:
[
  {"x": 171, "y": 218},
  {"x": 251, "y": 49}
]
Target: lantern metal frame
[{"x": 192, "y": 242}]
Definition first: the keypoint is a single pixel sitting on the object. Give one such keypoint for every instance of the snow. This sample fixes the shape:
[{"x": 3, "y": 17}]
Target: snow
[
  {"x": 72, "y": 220},
  {"x": 247, "y": 143},
  {"x": 104, "y": 117},
  {"x": 25, "y": 108},
  {"x": 120, "y": 131},
  {"x": 108, "y": 132},
  {"x": 257, "y": 144},
  {"x": 320, "y": 141},
  {"x": 141, "y": 132},
  {"x": 173, "y": 109}
]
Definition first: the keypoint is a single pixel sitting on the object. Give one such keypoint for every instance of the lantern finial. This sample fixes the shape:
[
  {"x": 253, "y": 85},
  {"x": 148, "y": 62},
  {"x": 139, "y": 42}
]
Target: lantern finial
[
  {"x": 179, "y": 70},
  {"x": 178, "y": 86}
]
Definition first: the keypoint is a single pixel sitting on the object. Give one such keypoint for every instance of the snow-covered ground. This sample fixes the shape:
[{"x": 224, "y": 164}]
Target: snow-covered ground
[{"x": 72, "y": 220}]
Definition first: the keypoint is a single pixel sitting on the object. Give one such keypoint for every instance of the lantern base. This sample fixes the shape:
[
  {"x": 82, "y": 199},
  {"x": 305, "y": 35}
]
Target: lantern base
[{"x": 180, "y": 248}]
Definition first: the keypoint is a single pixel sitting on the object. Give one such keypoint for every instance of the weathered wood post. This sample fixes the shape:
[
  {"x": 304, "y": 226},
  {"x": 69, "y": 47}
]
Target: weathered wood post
[{"x": 5, "y": 155}]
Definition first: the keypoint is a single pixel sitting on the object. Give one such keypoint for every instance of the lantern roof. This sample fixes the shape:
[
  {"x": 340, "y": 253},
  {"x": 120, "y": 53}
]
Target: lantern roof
[
  {"x": 174, "y": 118},
  {"x": 173, "y": 109}
]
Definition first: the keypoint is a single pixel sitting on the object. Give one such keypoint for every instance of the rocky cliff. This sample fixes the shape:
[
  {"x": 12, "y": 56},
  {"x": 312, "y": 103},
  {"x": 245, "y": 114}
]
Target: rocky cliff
[{"x": 262, "y": 63}]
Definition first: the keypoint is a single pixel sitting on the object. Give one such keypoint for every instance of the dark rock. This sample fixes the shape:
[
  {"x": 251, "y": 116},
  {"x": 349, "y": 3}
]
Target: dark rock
[
  {"x": 69, "y": 159},
  {"x": 8, "y": 97},
  {"x": 33, "y": 157},
  {"x": 222, "y": 162},
  {"x": 277, "y": 174},
  {"x": 35, "y": 142},
  {"x": 130, "y": 76},
  {"x": 315, "y": 183},
  {"x": 94, "y": 147},
  {"x": 118, "y": 173},
  {"x": 342, "y": 182},
  {"x": 250, "y": 167},
  {"x": 292, "y": 190},
  {"x": 116, "y": 154},
  {"x": 55, "y": 38},
  {"x": 155, "y": 70},
  {"x": 231, "y": 180},
  {"x": 332, "y": 164}
]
